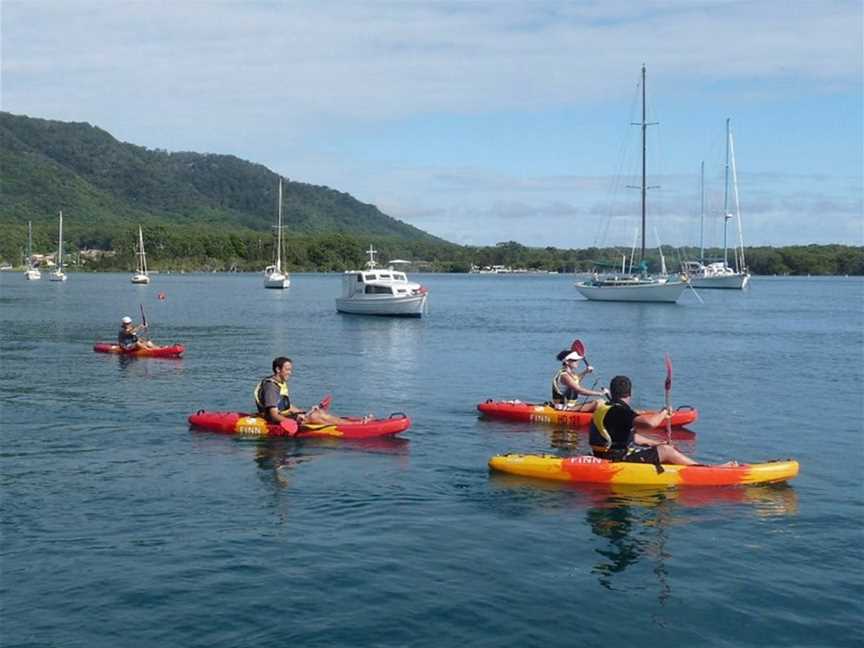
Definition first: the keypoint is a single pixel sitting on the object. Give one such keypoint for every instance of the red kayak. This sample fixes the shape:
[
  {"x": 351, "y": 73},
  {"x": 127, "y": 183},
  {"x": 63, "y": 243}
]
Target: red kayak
[
  {"x": 254, "y": 426},
  {"x": 173, "y": 351},
  {"x": 544, "y": 413}
]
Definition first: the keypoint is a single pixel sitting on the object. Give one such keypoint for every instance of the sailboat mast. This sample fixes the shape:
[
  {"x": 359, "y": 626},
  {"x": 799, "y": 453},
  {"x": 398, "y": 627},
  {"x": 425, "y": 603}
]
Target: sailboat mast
[
  {"x": 279, "y": 232},
  {"x": 29, "y": 244},
  {"x": 702, "y": 212},
  {"x": 740, "y": 264},
  {"x": 726, "y": 198},
  {"x": 644, "y": 148},
  {"x": 60, "y": 244}
]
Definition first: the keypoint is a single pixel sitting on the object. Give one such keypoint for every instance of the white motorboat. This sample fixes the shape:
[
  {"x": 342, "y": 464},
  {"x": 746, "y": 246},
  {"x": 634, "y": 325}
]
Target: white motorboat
[
  {"x": 273, "y": 275},
  {"x": 140, "y": 276},
  {"x": 628, "y": 286},
  {"x": 719, "y": 274},
  {"x": 32, "y": 272},
  {"x": 376, "y": 291},
  {"x": 58, "y": 274}
]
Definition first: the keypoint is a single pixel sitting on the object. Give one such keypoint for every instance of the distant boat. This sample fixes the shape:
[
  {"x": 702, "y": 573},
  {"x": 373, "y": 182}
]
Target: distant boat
[
  {"x": 375, "y": 291},
  {"x": 140, "y": 276},
  {"x": 31, "y": 272},
  {"x": 273, "y": 275},
  {"x": 58, "y": 274},
  {"x": 629, "y": 286},
  {"x": 718, "y": 274}
]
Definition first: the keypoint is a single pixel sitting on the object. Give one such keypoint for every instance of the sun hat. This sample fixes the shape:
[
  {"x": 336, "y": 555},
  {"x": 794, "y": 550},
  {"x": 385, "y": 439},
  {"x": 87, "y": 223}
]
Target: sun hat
[
  {"x": 126, "y": 319},
  {"x": 572, "y": 356}
]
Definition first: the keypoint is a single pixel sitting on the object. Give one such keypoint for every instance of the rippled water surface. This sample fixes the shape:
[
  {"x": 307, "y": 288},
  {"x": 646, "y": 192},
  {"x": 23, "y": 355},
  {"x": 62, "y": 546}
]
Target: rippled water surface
[{"x": 120, "y": 526}]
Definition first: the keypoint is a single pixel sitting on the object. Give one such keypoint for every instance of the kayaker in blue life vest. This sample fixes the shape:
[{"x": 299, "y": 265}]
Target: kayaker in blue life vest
[
  {"x": 273, "y": 399},
  {"x": 128, "y": 338},
  {"x": 613, "y": 432},
  {"x": 567, "y": 386}
]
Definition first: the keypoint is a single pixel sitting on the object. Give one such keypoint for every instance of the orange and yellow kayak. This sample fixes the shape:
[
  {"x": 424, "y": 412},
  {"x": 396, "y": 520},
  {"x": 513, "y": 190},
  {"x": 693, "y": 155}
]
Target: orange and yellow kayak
[
  {"x": 586, "y": 468},
  {"x": 543, "y": 413}
]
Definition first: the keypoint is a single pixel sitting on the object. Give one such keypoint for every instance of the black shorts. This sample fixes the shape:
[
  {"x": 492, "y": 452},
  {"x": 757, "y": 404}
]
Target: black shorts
[{"x": 642, "y": 454}]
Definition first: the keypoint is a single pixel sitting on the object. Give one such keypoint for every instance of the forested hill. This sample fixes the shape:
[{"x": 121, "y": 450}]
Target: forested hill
[{"x": 46, "y": 166}]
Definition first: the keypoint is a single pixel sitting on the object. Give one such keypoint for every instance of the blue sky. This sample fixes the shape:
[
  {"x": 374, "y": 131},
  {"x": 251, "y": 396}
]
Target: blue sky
[{"x": 481, "y": 121}]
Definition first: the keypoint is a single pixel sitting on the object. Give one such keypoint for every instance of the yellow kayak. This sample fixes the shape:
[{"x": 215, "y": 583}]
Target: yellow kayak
[{"x": 586, "y": 468}]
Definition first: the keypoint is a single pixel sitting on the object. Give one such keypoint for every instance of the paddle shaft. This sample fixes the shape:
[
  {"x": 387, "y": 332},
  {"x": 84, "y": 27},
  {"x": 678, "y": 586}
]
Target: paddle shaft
[{"x": 668, "y": 390}]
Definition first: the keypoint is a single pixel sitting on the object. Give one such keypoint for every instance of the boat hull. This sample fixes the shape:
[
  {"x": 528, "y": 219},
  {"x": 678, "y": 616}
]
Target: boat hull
[
  {"x": 57, "y": 276},
  {"x": 410, "y": 306},
  {"x": 250, "y": 425},
  {"x": 586, "y": 468},
  {"x": 544, "y": 414},
  {"x": 737, "y": 281},
  {"x": 140, "y": 279},
  {"x": 277, "y": 283},
  {"x": 173, "y": 351},
  {"x": 32, "y": 275},
  {"x": 666, "y": 293}
]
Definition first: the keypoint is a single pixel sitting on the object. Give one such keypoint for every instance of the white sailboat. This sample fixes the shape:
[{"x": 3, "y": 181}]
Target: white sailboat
[
  {"x": 58, "y": 274},
  {"x": 140, "y": 276},
  {"x": 375, "y": 291},
  {"x": 629, "y": 286},
  {"x": 273, "y": 275},
  {"x": 719, "y": 274},
  {"x": 31, "y": 272}
]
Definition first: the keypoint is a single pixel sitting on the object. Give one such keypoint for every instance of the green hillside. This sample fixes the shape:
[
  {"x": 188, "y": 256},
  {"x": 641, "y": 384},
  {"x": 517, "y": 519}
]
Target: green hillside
[{"x": 100, "y": 181}]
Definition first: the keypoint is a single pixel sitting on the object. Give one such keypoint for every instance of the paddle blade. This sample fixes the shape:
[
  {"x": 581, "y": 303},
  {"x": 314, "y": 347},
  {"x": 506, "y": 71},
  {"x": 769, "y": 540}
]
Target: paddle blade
[
  {"x": 289, "y": 426},
  {"x": 578, "y": 347},
  {"x": 325, "y": 402},
  {"x": 668, "y": 372}
]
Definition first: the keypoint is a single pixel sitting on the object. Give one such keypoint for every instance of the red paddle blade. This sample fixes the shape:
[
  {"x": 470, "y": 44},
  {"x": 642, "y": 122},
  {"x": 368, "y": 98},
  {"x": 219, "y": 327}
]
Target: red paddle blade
[
  {"x": 668, "y": 372},
  {"x": 325, "y": 402},
  {"x": 290, "y": 426},
  {"x": 578, "y": 347}
]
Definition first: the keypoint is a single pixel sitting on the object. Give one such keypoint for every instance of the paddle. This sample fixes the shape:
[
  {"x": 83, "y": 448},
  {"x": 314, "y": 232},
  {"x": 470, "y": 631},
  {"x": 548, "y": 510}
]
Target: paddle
[
  {"x": 668, "y": 390},
  {"x": 290, "y": 426},
  {"x": 579, "y": 348}
]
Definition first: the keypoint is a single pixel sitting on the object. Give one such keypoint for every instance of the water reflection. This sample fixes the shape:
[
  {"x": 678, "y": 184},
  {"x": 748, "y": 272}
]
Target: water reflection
[{"x": 394, "y": 341}]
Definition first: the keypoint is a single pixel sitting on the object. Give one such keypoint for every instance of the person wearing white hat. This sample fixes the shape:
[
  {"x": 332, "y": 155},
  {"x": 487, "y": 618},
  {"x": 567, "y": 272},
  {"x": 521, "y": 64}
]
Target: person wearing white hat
[
  {"x": 567, "y": 386},
  {"x": 128, "y": 339}
]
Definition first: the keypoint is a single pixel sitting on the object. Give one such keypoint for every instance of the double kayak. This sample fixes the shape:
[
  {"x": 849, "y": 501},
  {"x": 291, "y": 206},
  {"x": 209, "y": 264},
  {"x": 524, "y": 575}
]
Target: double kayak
[
  {"x": 586, "y": 468},
  {"x": 173, "y": 351},
  {"x": 251, "y": 425},
  {"x": 514, "y": 410}
]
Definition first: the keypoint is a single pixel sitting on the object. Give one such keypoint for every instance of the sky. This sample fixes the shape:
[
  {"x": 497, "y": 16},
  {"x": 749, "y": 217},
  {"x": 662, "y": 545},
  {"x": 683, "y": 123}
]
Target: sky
[{"x": 483, "y": 122}]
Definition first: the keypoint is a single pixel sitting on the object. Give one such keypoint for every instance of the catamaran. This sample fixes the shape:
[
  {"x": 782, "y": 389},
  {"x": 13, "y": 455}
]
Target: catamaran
[
  {"x": 58, "y": 274},
  {"x": 719, "y": 274},
  {"x": 31, "y": 272},
  {"x": 140, "y": 276},
  {"x": 273, "y": 275},
  {"x": 374, "y": 291},
  {"x": 630, "y": 286}
]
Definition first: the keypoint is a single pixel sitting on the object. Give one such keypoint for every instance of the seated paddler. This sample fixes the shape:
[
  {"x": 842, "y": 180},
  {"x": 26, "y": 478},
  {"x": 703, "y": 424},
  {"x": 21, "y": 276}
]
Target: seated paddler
[
  {"x": 614, "y": 434},
  {"x": 273, "y": 399},
  {"x": 567, "y": 389}
]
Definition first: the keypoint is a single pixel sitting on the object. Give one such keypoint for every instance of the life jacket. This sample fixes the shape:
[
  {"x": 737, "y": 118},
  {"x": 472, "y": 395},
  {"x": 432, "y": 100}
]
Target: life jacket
[
  {"x": 564, "y": 394},
  {"x": 284, "y": 397},
  {"x": 599, "y": 437}
]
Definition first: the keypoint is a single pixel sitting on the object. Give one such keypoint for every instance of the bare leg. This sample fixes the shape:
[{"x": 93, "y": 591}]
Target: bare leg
[{"x": 670, "y": 455}]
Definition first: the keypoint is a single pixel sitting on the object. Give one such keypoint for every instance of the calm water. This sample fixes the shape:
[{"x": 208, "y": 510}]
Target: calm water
[{"x": 122, "y": 527}]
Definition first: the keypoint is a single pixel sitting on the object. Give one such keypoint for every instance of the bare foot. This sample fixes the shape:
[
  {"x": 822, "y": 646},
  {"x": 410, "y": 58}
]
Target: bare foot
[{"x": 730, "y": 464}]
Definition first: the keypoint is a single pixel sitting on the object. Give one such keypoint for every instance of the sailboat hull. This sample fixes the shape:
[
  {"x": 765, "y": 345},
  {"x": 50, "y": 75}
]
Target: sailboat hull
[
  {"x": 32, "y": 275},
  {"x": 140, "y": 279},
  {"x": 735, "y": 281},
  {"x": 57, "y": 276},
  {"x": 664, "y": 293},
  {"x": 279, "y": 282}
]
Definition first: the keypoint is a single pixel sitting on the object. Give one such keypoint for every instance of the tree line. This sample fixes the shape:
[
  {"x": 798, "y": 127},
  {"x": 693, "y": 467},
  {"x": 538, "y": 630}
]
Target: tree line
[{"x": 198, "y": 247}]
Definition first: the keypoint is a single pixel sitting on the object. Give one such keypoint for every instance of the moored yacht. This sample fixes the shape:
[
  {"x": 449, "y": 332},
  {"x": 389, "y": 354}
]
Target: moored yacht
[
  {"x": 31, "y": 272},
  {"x": 376, "y": 291}
]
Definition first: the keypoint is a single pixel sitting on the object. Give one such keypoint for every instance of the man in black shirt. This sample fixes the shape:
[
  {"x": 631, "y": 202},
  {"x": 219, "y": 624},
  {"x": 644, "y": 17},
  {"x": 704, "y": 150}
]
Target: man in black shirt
[{"x": 614, "y": 436}]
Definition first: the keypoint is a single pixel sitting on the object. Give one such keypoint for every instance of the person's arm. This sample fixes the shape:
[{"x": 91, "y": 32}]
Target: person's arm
[
  {"x": 574, "y": 384},
  {"x": 649, "y": 422}
]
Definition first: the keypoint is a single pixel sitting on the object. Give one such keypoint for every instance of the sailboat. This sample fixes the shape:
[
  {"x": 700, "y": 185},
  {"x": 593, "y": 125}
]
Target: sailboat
[
  {"x": 719, "y": 274},
  {"x": 140, "y": 276},
  {"x": 273, "y": 275},
  {"x": 31, "y": 272},
  {"x": 58, "y": 274},
  {"x": 629, "y": 286}
]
